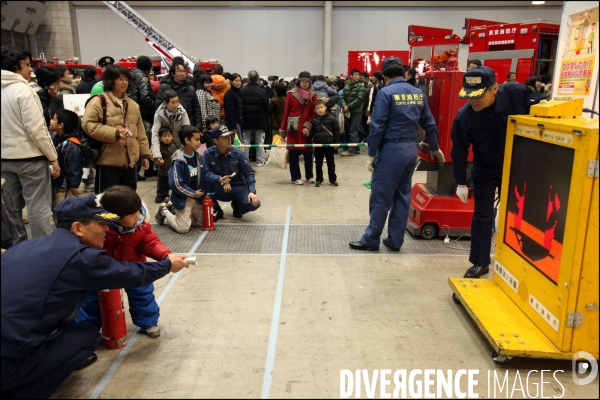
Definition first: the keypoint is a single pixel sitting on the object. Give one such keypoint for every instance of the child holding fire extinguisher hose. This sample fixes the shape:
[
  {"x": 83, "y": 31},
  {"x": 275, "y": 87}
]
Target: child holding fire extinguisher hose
[{"x": 129, "y": 239}]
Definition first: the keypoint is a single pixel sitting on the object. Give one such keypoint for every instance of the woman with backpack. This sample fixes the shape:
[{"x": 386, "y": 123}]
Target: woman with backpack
[{"x": 115, "y": 120}]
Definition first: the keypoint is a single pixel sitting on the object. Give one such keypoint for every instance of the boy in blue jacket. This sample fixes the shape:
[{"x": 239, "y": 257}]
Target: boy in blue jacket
[
  {"x": 184, "y": 180},
  {"x": 71, "y": 155}
]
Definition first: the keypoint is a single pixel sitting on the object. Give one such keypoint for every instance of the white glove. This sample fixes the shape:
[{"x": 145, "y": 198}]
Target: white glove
[
  {"x": 462, "y": 191},
  {"x": 371, "y": 164},
  {"x": 439, "y": 155}
]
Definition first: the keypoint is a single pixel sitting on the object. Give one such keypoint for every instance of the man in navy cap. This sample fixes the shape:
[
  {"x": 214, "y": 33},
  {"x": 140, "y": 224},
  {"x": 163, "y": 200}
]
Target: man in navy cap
[
  {"x": 219, "y": 163},
  {"x": 482, "y": 123},
  {"x": 44, "y": 282},
  {"x": 399, "y": 110}
]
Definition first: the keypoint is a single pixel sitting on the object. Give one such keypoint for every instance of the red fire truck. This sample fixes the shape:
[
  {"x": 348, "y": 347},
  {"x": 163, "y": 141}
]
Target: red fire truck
[
  {"x": 72, "y": 64},
  {"x": 370, "y": 60},
  {"x": 526, "y": 48}
]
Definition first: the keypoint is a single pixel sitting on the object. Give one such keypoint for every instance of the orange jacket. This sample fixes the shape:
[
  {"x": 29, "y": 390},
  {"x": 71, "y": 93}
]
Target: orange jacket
[{"x": 219, "y": 87}]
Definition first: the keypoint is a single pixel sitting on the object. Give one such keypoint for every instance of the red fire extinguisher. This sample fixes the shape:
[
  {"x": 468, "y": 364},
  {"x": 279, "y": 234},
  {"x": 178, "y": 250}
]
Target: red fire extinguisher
[
  {"x": 207, "y": 213},
  {"x": 112, "y": 313}
]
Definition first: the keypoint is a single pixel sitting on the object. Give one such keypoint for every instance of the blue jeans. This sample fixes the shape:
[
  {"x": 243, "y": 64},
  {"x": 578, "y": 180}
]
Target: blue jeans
[
  {"x": 355, "y": 121},
  {"x": 259, "y": 138}
]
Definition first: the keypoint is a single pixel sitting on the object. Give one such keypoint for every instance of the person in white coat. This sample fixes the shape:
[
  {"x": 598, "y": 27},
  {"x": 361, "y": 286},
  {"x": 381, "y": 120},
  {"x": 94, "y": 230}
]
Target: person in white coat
[{"x": 29, "y": 158}]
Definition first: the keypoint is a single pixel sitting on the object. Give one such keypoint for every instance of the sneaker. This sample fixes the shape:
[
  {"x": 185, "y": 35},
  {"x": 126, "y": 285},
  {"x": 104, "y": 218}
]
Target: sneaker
[
  {"x": 141, "y": 178},
  {"x": 167, "y": 201},
  {"x": 152, "y": 332},
  {"x": 318, "y": 183},
  {"x": 311, "y": 180},
  {"x": 89, "y": 187},
  {"x": 261, "y": 163},
  {"x": 159, "y": 217},
  {"x": 334, "y": 183},
  {"x": 345, "y": 153},
  {"x": 172, "y": 209},
  {"x": 159, "y": 199},
  {"x": 298, "y": 182}
]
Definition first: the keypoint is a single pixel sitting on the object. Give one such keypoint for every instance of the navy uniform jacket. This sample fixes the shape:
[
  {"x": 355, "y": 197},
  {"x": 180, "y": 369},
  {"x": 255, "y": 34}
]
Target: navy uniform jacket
[
  {"x": 400, "y": 109},
  {"x": 44, "y": 282},
  {"x": 486, "y": 130},
  {"x": 216, "y": 165}
]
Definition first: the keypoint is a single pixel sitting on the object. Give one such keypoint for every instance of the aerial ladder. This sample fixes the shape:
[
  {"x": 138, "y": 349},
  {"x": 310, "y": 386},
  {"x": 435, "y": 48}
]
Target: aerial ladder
[{"x": 155, "y": 38}]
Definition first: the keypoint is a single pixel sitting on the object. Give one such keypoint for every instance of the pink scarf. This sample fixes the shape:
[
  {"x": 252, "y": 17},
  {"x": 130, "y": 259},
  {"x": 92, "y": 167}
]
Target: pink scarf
[{"x": 303, "y": 93}]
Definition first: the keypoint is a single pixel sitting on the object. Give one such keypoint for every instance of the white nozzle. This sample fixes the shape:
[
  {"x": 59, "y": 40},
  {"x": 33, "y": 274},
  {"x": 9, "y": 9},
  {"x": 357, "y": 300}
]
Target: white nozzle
[{"x": 191, "y": 260}]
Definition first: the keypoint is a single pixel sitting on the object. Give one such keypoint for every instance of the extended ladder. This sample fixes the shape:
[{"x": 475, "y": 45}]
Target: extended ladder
[{"x": 158, "y": 40}]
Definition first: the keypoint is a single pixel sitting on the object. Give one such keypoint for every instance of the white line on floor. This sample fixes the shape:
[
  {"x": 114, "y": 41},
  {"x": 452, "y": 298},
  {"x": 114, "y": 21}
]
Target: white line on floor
[
  {"x": 268, "y": 378},
  {"x": 113, "y": 368}
]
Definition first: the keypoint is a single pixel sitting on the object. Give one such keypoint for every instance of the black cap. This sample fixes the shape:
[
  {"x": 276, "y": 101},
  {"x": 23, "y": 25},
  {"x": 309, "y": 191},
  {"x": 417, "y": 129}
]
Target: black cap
[
  {"x": 219, "y": 131},
  {"x": 388, "y": 62},
  {"x": 476, "y": 82},
  {"x": 106, "y": 60},
  {"x": 76, "y": 208},
  {"x": 304, "y": 75}
]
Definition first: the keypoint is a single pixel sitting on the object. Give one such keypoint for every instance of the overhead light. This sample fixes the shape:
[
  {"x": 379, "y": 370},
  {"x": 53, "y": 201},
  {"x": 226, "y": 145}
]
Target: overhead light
[{"x": 537, "y": 3}]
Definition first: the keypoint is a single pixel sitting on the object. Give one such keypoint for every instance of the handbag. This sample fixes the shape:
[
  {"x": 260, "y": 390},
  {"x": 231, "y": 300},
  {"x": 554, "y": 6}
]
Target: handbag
[
  {"x": 292, "y": 124},
  {"x": 279, "y": 156}
]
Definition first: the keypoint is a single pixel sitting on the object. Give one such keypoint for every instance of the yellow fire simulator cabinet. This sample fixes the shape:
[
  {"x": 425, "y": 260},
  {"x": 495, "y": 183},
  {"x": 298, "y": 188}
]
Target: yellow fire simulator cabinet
[{"x": 543, "y": 299}]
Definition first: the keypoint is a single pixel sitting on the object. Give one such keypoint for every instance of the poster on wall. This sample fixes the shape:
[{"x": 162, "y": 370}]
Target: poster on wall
[
  {"x": 577, "y": 75},
  {"x": 537, "y": 206}
]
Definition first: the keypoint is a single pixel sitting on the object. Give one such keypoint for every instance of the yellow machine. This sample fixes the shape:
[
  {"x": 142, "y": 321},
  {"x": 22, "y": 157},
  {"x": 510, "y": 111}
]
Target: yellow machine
[{"x": 543, "y": 299}]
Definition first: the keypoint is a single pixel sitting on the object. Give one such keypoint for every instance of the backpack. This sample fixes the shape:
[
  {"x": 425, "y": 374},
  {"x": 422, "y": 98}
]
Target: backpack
[
  {"x": 85, "y": 153},
  {"x": 94, "y": 146}
]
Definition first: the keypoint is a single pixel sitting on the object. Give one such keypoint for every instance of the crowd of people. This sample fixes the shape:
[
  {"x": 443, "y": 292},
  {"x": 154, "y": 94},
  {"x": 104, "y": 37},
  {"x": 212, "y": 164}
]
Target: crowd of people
[{"x": 183, "y": 130}]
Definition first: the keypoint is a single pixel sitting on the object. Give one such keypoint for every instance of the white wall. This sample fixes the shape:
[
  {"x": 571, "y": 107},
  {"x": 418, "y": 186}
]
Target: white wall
[{"x": 280, "y": 41}]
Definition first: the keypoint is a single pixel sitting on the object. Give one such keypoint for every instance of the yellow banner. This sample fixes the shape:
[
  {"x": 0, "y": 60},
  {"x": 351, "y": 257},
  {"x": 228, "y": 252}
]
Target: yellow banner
[{"x": 576, "y": 76}]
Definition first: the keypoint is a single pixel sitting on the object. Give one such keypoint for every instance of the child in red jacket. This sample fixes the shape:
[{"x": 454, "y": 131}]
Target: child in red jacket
[{"x": 129, "y": 239}]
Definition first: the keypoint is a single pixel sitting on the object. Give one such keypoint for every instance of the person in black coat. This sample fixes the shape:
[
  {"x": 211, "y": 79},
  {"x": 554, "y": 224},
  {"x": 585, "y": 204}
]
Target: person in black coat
[
  {"x": 255, "y": 113},
  {"x": 49, "y": 81},
  {"x": 88, "y": 81},
  {"x": 233, "y": 105},
  {"x": 325, "y": 130},
  {"x": 177, "y": 81},
  {"x": 141, "y": 90}
]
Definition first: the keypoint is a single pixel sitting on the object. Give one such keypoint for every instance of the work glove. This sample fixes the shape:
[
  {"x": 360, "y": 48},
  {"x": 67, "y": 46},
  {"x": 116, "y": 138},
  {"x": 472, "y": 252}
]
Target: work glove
[
  {"x": 462, "y": 191},
  {"x": 371, "y": 164},
  {"x": 439, "y": 155}
]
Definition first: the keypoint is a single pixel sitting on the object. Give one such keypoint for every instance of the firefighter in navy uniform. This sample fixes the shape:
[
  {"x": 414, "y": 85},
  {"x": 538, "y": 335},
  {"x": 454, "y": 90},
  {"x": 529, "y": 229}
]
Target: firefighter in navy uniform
[
  {"x": 482, "y": 123},
  {"x": 219, "y": 162},
  {"x": 399, "y": 110},
  {"x": 44, "y": 282}
]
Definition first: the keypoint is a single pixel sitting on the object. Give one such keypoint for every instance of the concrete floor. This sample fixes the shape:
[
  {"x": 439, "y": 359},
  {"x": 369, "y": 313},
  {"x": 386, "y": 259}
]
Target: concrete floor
[{"x": 344, "y": 311}]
